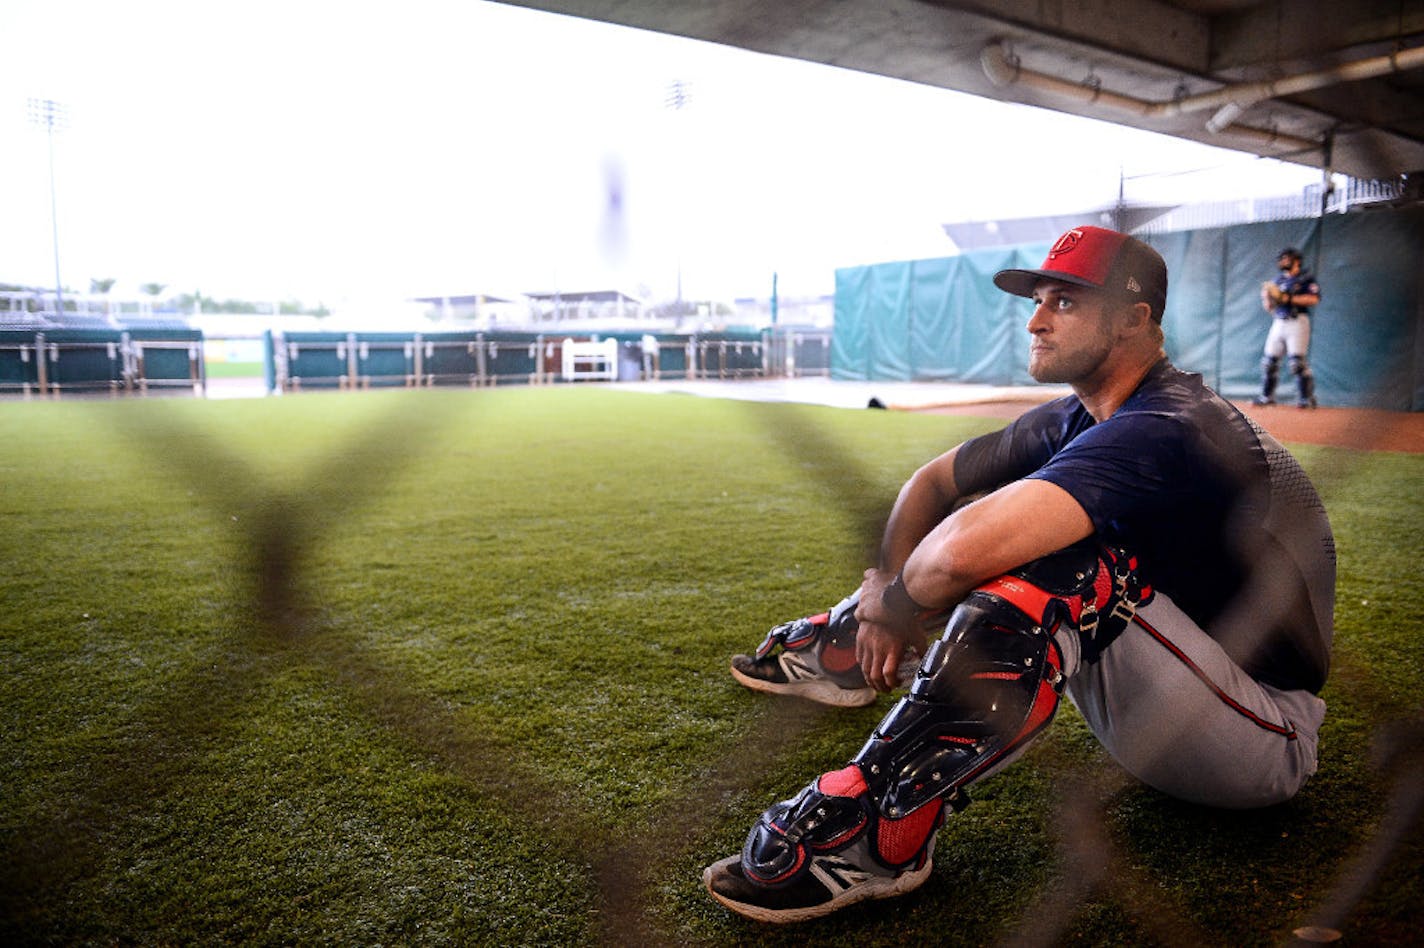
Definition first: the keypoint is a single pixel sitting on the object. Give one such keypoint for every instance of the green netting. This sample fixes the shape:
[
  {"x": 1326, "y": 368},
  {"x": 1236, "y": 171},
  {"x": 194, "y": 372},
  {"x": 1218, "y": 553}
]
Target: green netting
[{"x": 943, "y": 319}]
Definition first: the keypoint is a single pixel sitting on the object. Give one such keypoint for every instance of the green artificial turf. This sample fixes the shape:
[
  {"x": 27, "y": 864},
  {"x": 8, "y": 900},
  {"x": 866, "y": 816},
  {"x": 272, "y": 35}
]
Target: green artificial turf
[
  {"x": 450, "y": 668},
  {"x": 232, "y": 370}
]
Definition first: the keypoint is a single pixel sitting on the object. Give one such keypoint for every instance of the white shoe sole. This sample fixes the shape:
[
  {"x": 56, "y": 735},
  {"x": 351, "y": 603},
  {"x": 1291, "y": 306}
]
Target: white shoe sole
[
  {"x": 818, "y": 690},
  {"x": 878, "y": 887}
]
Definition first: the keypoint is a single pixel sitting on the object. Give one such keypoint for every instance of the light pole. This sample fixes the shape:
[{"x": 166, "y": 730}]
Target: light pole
[
  {"x": 52, "y": 115},
  {"x": 679, "y": 93}
]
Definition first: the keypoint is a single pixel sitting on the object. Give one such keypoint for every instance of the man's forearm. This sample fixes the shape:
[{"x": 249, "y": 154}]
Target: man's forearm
[
  {"x": 1014, "y": 525},
  {"x": 926, "y": 499}
]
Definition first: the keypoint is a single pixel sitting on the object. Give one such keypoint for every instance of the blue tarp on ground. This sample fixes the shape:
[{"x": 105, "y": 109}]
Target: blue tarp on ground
[{"x": 944, "y": 320}]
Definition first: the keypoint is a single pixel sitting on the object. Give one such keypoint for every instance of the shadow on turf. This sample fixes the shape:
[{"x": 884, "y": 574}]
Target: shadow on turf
[
  {"x": 281, "y": 527},
  {"x": 278, "y": 528}
]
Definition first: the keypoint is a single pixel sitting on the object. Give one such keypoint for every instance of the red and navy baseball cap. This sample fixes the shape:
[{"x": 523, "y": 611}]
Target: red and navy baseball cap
[{"x": 1100, "y": 258}]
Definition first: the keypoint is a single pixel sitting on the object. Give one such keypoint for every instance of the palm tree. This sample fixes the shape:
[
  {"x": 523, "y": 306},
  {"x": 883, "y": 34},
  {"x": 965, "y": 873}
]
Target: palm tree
[
  {"x": 153, "y": 290},
  {"x": 102, "y": 288}
]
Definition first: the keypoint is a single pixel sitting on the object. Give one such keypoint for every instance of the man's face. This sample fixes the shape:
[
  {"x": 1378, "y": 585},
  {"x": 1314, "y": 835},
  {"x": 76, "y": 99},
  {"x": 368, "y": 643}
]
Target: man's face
[
  {"x": 1287, "y": 263},
  {"x": 1073, "y": 332}
]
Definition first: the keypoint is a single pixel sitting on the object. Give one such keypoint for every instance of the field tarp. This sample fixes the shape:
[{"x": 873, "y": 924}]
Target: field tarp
[{"x": 944, "y": 320}]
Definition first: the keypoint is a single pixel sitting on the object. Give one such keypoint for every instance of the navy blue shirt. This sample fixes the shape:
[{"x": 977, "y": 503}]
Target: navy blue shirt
[
  {"x": 1222, "y": 518},
  {"x": 1295, "y": 285}
]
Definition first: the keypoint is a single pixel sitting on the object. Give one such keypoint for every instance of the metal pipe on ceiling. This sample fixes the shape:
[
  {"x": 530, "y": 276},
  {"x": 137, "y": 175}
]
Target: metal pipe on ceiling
[
  {"x": 1002, "y": 69},
  {"x": 1246, "y": 93}
]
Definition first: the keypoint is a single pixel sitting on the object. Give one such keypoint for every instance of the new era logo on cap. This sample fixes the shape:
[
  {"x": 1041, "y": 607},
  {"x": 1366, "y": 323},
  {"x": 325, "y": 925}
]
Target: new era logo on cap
[{"x": 1100, "y": 258}]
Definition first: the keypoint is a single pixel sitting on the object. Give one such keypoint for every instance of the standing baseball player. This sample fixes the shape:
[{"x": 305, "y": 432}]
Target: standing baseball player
[
  {"x": 1139, "y": 545},
  {"x": 1288, "y": 298}
]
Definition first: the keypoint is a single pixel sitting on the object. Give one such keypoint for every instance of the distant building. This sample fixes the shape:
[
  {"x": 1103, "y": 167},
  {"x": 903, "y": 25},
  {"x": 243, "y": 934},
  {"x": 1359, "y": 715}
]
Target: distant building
[
  {"x": 590, "y": 306},
  {"x": 981, "y": 235},
  {"x": 478, "y": 311},
  {"x": 801, "y": 311}
]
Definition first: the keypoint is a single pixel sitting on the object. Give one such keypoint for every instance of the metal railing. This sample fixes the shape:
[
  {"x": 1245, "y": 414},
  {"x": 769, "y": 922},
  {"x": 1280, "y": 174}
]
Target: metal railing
[{"x": 1311, "y": 202}]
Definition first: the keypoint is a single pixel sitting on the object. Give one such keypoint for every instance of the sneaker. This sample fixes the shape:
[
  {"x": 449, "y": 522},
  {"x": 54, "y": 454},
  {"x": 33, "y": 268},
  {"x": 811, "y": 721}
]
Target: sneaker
[
  {"x": 1307, "y": 402},
  {"x": 796, "y": 668},
  {"x": 833, "y": 882},
  {"x": 791, "y": 674},
  {"x": 814, "y": 658},
  {"x": 1263, "y": 400}
]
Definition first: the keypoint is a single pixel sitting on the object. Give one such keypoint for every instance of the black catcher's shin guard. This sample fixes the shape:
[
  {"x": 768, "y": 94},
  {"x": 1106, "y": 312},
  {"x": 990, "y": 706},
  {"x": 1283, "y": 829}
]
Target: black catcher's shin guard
[
  {"x": 984, "y": 690},
  {"x": 1270, "y": 372},
  {"x": 1305, "y": 379}
]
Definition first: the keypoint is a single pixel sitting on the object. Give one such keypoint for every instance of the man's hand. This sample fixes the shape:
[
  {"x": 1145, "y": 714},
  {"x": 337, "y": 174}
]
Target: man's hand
[{"x": 881, "y": 639}]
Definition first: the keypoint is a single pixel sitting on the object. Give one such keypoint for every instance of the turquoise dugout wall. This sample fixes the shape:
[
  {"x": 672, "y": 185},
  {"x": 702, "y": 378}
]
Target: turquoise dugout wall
[
  {"x": 59, "y": 361},
  {"x": 944, "y": 320}
]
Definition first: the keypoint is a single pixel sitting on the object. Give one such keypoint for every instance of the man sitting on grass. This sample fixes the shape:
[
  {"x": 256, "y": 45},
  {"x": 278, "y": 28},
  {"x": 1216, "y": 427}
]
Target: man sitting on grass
[{"x": 1140, "y": 545}]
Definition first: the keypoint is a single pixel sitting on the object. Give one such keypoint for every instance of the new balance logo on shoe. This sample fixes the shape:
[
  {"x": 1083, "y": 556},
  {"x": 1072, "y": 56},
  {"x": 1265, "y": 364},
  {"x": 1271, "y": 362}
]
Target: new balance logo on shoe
[
  {"x": 832, "y": 883},
  {"x": 838, "y": 875},
  {"x": 797, "y": 668}
]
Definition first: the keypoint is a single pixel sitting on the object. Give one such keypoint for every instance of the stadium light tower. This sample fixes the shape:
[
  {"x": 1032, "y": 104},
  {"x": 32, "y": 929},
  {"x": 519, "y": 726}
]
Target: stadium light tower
[
  {"x": 679, "y": 94},
  {"x": 52, "y": 116}
]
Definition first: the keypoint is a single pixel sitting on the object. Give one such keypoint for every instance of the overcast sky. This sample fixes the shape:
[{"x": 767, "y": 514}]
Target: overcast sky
[{"x": 354, "y": 152}]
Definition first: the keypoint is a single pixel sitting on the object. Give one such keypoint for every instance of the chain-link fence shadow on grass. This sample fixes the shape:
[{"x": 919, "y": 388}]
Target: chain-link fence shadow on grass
[{"x": 280, "y": 527}]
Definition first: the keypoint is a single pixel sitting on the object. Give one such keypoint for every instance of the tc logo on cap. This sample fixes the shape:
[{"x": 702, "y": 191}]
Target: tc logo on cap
[{"x": 1065, "y": 243}]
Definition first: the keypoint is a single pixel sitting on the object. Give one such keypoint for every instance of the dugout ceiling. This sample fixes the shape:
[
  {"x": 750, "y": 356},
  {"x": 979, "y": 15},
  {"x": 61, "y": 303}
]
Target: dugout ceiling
[{"x": 1337, "y": 83}]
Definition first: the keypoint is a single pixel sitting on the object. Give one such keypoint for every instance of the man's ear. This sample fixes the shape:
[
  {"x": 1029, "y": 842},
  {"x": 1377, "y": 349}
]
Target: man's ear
[{"x": 1138, "y": 318}]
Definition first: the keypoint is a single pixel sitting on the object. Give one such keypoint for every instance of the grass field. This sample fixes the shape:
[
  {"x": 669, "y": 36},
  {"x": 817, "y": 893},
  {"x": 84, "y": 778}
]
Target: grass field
[
  {"x": 449, "y": 668},
  {"x": 234, "y": 370}
]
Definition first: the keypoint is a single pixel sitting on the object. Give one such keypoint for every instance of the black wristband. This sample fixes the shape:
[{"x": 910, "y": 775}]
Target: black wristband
[{"x": 897, "y": 601}]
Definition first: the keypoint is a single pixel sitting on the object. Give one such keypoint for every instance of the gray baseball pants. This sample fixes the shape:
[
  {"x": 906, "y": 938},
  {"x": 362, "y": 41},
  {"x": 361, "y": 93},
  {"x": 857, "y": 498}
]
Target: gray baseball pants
[{"x": 1177, "y": 713}]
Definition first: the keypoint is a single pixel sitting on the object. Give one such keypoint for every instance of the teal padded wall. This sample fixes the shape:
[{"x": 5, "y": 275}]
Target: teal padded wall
[{"x": 944, "y": 320}]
